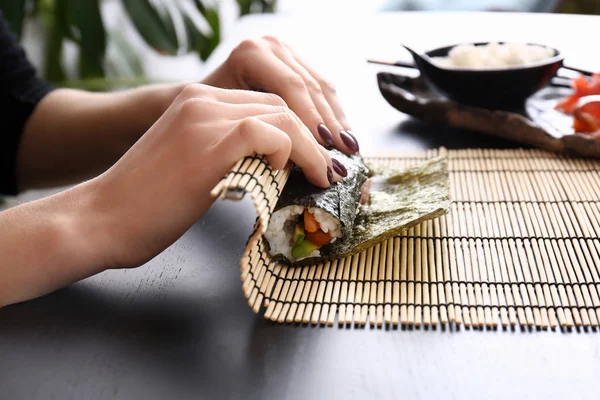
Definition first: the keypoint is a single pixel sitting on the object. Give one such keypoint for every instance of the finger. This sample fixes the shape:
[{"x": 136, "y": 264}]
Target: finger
[
  {"x": 339, "y": 171},
  {"x": 317, "y": 95},
  {"x": 305, "y": 152},
  {"x": 205, "y": 106},
  {"x": 254, "y": 136},
  {"x": 269, "y": 73},
  {"x": 328, "y": 89},
  {"x": 232, "y": 96},
  {"x": 200, "y": 109},
  {"x": 332, "y": 99}
]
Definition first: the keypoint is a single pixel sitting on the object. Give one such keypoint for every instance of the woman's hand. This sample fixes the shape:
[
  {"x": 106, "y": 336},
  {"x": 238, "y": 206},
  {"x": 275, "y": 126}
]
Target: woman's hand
[
  {"x": 161, "y": 186},
  {"x": 154, "y": 193},
  {"x": 269, "y": 65},
  {"x": 88, "y": 132}
]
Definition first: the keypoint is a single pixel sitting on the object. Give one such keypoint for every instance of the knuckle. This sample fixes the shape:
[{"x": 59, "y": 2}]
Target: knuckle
[
  {"x": 272, "y": 40},
  {"x": 327, "y": 86},
  {"x": 294, "y": 82},
  {"x": 193, "y": 108},
  {"x": 192, "y": 90},
  {"x": 283, "y": 110},
  {"x": 332, "y": 123},
  {"x": 330, "y": 119},
  {"x": 245, "y": 128},
  {"x": 287, "y": 119},
  {"x": 247, "y": 45},
  {"x": 314, "y": 115},
  {"x": 273, "y": 99},
  {"x": 314, "y": 86}
]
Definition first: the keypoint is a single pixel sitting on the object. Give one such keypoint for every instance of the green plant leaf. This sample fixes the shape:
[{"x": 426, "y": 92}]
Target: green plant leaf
[
  {"x": 156, "y": 28},
  {"x": 167, "y": 20},
  {"x": 245, "y": 6},
  {"x": 256, "y": 6},
  {"x": 202, "y": 43},
  {"x": 86, "y": 17},
  {"x": 45, "y": 12},
  {"x": 124, "y": 60},
  {"x": 13, "y": 12},
  {"x": 54, "y": 71},
  {"x": 35, "y": 7},
  {"x": 268, "y": 6},
  {"x": 197, "y": 41},
  {"x": 200, "y": 6},
  {"x": 212, "y": 17},
  {"x": 59, "y": 15}
]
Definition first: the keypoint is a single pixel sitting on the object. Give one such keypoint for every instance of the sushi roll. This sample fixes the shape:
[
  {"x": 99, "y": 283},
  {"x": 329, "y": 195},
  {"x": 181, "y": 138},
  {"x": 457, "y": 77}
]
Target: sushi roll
[
  {"x": 307, "y": 220},
  {"x": 298, "y": 232}
]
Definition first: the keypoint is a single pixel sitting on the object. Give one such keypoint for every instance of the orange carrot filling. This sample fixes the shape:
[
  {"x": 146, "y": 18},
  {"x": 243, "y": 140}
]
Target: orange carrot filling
[
  {"x": 310, "y": 223},
  {"x": 319, "y": 237}
]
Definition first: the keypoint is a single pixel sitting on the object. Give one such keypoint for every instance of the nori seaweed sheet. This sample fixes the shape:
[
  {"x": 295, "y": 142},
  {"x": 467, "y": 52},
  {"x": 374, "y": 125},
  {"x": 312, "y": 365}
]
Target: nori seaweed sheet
[
  {"x": 399, "y": 199},
  {"x": 397, "y": 202},
  {"x": 340, "y": 199}
]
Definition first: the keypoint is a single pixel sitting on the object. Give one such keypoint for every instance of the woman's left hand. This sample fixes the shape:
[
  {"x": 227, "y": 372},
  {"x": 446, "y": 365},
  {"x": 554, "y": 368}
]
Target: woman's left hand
[{"x": 267, "y": 64}]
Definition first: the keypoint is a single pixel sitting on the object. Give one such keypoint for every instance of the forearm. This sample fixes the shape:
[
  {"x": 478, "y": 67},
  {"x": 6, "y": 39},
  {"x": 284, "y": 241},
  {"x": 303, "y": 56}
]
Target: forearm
[
  {"x": 73, "y": 135},
  {"x": 47, "y": 244}
]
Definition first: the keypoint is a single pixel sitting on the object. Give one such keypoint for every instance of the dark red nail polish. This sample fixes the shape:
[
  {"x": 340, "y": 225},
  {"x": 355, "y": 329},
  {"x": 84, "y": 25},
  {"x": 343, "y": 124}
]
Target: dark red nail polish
[
  {"x": 329, "y": 174},
  {"x": 325, "y": 134},
  {"x": 353, "y": 137},
  {"x": 349, "y": 140},
  {"x": 339, "y": 168}
]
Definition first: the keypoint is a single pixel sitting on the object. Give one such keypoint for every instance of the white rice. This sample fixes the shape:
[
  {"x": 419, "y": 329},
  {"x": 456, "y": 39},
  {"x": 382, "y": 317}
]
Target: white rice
[
  {"x": 494, "y": 55},
  {"x": 280, "y": 232}
]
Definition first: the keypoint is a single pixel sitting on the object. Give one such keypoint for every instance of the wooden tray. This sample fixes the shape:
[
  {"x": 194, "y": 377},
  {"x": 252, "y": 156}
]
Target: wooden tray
[{"x": 537, "y": 125}]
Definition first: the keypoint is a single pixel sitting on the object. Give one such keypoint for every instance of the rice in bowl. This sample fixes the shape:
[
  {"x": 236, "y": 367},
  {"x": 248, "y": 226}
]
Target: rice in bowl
[{"x": 494, "y": 55}]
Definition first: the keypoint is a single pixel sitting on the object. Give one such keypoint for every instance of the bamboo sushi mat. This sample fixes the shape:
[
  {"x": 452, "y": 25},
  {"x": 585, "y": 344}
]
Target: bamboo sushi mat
[{"x": 520, "y": 246}]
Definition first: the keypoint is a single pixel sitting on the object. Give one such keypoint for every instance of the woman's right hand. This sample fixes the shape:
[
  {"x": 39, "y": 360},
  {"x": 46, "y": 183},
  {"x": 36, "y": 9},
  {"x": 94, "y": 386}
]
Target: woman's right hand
[
  {"x": 154, "y": 193},
  {"x": 162, "y": 185}
]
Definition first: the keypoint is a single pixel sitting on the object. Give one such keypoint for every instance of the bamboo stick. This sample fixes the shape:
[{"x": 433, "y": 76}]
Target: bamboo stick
[{"x": 520, "y": 245}]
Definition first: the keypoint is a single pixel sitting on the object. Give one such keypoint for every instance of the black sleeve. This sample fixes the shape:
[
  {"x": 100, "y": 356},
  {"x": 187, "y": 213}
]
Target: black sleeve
[{"x": 20, "y": 91}]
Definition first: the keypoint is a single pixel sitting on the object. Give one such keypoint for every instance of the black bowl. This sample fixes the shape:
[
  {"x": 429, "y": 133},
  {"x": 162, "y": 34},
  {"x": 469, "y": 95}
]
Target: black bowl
[{"x": 493, "y": 88}]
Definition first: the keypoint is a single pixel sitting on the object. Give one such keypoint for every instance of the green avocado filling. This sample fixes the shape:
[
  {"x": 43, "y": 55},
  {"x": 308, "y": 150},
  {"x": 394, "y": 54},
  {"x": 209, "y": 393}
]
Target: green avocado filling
[
  {"x": 299, "y": 234},
  {"x": 302, "y": 246},
  {"x": 303, "y": 249}
]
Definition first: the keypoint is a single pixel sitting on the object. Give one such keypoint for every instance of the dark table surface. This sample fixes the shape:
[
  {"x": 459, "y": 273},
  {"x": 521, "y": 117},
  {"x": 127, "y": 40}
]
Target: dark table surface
[{"x": 179, "y": 327}]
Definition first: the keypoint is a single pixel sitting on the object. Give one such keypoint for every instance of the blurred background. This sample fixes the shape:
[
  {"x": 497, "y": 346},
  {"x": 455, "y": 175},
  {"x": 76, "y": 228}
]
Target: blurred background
[{"x": 106, "y": 44}]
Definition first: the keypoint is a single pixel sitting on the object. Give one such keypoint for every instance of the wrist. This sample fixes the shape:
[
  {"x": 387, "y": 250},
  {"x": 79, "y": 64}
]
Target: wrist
[
  {"x": 102, "y": 224},
  {"x": 51, "y": 245},
  {"x": 83, "y": 228},
  {"x": 141, "y": 108},
  {"x": 157, "y": 98}
]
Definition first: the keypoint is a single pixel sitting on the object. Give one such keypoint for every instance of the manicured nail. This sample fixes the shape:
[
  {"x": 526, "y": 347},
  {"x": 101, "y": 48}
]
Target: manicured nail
[
  {"x": 325, "y": 134},
  {"x": 329, "y": 174},
  {"x": 339, "y": 168},
  {"x": 349, "y": 140}
]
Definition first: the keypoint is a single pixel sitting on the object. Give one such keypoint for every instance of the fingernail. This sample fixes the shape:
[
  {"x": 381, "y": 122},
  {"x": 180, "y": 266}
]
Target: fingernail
[
  {"x": 325, "y": 134},
  {"x": 349, "y": 140},
  {"x": 329, "y": 174},
  {"x": 339, "y": 168},
  {"x": 355, "y": 141}
]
